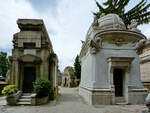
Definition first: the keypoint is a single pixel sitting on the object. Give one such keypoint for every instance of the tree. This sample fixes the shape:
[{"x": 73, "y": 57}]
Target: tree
[
  {"x": 139, "y": 12},
  {"x": 77, "y": 68},
  {"x": 3, "y": 63}
]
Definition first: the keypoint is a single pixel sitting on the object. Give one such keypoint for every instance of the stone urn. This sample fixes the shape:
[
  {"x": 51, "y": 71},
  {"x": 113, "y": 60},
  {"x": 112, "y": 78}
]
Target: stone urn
[
  {"x": 13, "y": 98},
  {"x": 147, "y": 102}
]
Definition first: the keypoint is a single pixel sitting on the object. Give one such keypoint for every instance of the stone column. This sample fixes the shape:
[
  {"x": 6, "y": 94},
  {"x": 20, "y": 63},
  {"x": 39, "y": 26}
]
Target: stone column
[
  {"x": 15, "y": 72},
  {"x": 127, "y": 73}
]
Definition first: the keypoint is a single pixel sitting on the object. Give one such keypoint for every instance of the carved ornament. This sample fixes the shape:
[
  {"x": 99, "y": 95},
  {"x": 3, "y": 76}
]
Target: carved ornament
[{"x": 94, "y": 46}]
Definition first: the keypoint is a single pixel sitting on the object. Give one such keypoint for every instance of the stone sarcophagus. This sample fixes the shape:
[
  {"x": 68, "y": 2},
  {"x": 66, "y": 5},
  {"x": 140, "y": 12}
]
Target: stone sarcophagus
[
  {"x": 110, "y": 68},
  {"x": 32, "y": 55}
]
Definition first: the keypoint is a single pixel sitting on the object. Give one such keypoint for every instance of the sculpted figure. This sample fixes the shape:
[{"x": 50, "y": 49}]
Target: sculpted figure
[{"x": 133, "y": 26}]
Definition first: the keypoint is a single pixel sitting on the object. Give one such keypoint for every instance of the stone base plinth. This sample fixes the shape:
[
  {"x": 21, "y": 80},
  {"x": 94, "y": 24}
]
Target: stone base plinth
[
  {"x": 147, "y": 85},
  {"x": 97, "y": 97},
  {"x": 137, "y": 96},
  {"x": 107, "y": 96}
]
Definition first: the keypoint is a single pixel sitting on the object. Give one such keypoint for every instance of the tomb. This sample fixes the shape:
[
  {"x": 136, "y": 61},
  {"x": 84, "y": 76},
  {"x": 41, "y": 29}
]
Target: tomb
[
  {"x": 145, "y": 64},
  {"x": 32, "y": 56},
  {"x": 110, "y": 65},
  {"x": 68, "y": 78}
]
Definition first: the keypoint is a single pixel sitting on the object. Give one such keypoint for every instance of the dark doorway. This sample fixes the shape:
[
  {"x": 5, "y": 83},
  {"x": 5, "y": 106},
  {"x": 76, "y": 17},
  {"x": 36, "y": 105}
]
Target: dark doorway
[
  {"x": 118, "y": 82},
  {"x": 29, "y": 78},
  {"x": 65, "y": 82}
]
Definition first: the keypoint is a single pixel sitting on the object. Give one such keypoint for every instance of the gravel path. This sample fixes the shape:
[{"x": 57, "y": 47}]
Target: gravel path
[{"x": 70, "y": 102}]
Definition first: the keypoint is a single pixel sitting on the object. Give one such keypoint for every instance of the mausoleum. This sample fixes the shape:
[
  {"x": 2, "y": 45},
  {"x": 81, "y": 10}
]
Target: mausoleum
[
  {"x": 145, "y": 64},
  {"x": 68, "y": 78},
  {"x": 32, "y": 56},
  {"x": 110, "y": 65}
]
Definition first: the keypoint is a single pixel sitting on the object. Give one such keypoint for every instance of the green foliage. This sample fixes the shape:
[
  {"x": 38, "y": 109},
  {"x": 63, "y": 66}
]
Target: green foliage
[
  {"x": 77, "y": 68},
  {"x": 9, "y": 89},
  {"x": 140, "y": 12},
  {"x": 4, "y": 65},
  {"x": 77, "y": 82},
  {"x": 42, "y": 87}
]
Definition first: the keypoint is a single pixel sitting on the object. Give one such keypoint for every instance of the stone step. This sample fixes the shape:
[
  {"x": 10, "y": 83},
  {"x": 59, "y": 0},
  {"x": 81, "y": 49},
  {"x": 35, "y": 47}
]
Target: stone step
[
  {"x": 123, "y": 103},
  {"x": 25, "y": 97},
  {"x": 120, "y": 100},
  {"x": 27, "y": 94},
  {"x": 23, "y": 103},
  {"x": 24, "y": 100}
]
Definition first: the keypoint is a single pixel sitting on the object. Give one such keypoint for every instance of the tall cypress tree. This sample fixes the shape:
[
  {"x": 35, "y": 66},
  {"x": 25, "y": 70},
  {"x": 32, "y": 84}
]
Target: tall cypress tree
[
  {"x": 140, "y": 11},
  {"x": 77, "y": 67}
]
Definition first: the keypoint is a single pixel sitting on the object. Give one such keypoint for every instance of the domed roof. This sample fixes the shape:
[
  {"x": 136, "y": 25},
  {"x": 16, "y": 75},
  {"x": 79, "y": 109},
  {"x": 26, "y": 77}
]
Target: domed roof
[
  {"x": 110, "y": 21},
  {"x": 68, "y": 70}
]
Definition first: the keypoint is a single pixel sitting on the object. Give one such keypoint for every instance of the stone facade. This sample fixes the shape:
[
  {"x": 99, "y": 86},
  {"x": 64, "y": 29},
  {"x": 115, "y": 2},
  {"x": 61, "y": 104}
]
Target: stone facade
[
  {"x": 145, "y": 64},
  {"x": 110, "y": 66},
  {"x": 32, "y": 56},
  {"x": 68, "y": 78}
]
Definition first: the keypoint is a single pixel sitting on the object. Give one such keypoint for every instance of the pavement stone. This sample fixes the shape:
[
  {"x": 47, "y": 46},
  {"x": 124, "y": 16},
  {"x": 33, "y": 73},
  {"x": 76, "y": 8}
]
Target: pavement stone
[{"x": 70, "y": 102}]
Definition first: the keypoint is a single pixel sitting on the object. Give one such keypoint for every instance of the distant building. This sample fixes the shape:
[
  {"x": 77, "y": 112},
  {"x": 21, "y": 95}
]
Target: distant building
[{"x": 68, "y": 78}]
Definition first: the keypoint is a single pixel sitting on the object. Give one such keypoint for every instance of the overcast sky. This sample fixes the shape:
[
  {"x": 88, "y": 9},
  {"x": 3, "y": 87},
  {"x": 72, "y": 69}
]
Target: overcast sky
[{"x": 67, "y": 22}]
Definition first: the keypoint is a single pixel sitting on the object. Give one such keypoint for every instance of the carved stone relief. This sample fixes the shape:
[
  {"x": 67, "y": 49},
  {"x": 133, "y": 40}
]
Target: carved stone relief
[{"x": 94, "y": 46}]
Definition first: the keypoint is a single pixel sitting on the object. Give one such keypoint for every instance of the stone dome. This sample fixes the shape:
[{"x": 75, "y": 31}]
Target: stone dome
[
  {"x": 68, "y": 70},
  {"x": 111, "y": 21}
]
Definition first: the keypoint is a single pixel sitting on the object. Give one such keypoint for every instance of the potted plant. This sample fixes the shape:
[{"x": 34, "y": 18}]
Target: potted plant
[
  {"x": 12, "y": 94},
  {"x": 42, "y": 88}
]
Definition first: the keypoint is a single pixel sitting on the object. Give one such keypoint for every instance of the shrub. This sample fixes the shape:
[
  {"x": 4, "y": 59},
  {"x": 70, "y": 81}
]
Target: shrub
[
  {"x": 77, "y": 81},
  {"x": 42, "y": 87},
  {"x": 9, "y": 89}
]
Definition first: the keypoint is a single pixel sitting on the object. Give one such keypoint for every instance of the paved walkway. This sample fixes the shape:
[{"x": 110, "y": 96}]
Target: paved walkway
[{"x": 70, "y": 102}]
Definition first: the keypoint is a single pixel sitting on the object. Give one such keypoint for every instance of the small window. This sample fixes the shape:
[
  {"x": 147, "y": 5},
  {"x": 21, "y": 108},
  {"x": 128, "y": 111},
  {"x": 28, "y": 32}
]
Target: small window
[{"x": 29, "y": 45}]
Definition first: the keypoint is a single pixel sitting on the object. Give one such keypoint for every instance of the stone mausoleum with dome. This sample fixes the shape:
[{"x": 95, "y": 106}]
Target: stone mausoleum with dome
[{"x": 110, "y": 68}]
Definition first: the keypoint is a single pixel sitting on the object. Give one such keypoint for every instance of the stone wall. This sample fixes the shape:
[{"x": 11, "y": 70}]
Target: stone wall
[{"x": 145, "y": 64}]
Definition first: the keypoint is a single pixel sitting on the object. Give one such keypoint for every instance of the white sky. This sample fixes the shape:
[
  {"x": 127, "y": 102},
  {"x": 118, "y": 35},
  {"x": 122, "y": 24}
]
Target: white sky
[{"x": 67, "y": 22}]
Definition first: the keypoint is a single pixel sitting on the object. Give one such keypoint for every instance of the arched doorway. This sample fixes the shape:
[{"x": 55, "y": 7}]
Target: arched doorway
[{"x": 118, "y": 82}]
